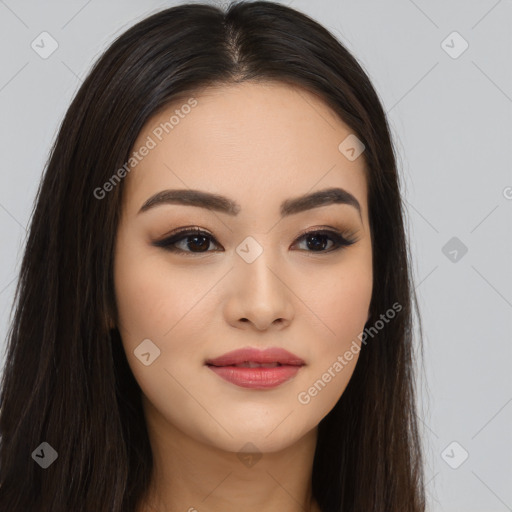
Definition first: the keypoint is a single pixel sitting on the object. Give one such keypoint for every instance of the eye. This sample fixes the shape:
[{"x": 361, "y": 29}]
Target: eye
[
  {"x": 193, "y": 241},
  {"x": 317, "y": 240},
  {"x": 196, "y": 241}
]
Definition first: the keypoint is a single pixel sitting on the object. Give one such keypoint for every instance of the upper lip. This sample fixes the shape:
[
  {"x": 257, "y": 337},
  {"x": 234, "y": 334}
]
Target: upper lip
[{"x": 254, "y": 355}]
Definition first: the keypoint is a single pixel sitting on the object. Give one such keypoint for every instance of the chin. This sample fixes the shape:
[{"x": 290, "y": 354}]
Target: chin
[{"x": 269, "y": 436}]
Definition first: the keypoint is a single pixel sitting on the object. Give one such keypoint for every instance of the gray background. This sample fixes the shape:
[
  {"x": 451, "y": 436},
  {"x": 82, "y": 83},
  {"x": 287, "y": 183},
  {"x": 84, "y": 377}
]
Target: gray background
[{"x": 451, "y": 122}]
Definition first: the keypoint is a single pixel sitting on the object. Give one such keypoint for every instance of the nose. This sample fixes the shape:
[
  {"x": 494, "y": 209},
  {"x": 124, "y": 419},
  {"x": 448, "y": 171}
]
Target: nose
[{"x": 260, "y": 294}]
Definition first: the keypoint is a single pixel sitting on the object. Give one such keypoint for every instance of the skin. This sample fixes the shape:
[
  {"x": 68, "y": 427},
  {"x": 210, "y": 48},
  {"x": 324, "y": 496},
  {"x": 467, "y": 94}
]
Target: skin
[{"x": 258, "y": 144}]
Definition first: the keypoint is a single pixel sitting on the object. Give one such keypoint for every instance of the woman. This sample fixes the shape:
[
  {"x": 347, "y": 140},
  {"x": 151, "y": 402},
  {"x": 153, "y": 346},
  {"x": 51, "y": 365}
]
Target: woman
[{"x": 214, "y": 309}]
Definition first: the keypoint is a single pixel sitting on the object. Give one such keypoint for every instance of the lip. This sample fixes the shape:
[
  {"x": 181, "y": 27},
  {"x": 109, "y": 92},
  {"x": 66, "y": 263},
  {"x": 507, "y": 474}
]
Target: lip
[
  {"x": 254, "y": 355},
  {"x": 256, "y": 377}
]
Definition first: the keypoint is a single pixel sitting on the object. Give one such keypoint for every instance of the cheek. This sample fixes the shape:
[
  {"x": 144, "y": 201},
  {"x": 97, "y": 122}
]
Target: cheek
[
  {"x": 345, "y": 310},
  {"x": 340, "y": 300},
  {"x": 151, "y": 300},
  {"x": 167, "y": 307},
  {"x": 162, "y": 306}
]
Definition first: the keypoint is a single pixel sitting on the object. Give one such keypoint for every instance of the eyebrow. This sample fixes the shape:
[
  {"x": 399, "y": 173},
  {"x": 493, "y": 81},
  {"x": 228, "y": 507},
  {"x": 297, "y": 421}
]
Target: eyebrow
[{"x": 210, "y": 201}]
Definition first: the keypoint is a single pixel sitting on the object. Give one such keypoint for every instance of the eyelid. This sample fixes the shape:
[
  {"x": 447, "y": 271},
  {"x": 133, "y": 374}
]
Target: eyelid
[
  {"x": 346, "y": 233},
  {"x": 341, "y": 237},
  {"x": 171, "y": 238}
]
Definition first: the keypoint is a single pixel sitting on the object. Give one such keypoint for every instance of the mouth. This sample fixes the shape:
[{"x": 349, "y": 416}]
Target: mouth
[
  {"x": 250, "y": 364},
  {"x": 256, "y": 369}
]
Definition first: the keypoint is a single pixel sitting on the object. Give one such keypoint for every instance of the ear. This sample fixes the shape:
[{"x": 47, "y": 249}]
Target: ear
[
  {"x": 110, "y": 313},
  {"x": 111, "y": 324}
]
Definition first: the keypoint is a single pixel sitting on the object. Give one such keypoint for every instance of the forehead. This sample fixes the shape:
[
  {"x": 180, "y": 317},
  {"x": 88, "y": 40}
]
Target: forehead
[{"x": 257, "y": 142}]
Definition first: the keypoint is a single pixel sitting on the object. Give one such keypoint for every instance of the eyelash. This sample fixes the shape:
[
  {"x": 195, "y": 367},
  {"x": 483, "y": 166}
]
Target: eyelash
[{"x": 340, "y": 240}]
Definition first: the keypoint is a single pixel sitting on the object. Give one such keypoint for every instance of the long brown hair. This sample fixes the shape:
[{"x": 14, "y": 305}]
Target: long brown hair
[{"x": 66, "y": 380}]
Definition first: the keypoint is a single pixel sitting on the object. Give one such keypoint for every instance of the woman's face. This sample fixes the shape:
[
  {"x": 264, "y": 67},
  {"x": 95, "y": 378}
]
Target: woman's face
[{"x": 252, "y": 278}]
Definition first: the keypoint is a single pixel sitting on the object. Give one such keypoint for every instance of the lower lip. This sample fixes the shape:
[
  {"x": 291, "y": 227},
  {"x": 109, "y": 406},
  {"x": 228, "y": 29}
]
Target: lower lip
[{"x": 256, "y": 378}]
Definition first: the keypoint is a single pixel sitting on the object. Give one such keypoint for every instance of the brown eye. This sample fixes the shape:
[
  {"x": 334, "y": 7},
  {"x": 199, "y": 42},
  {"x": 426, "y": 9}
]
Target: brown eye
[
  {"x": 192, "y": 241},
  {"x": 317, "y": 241},
  {"x": 196, "y": 241}
]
